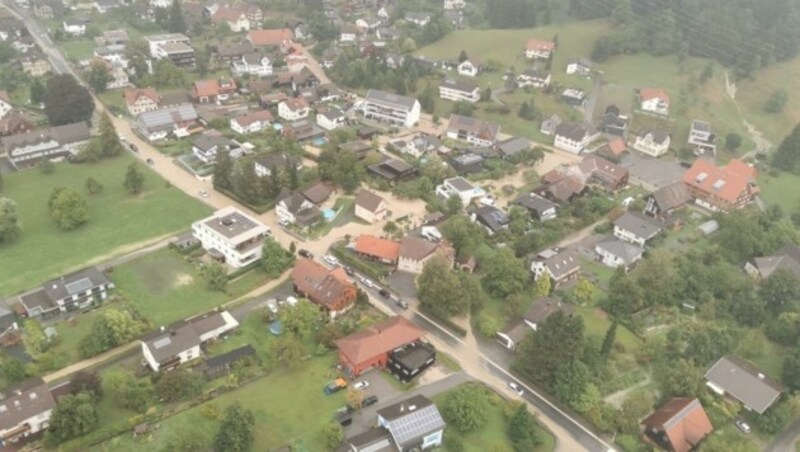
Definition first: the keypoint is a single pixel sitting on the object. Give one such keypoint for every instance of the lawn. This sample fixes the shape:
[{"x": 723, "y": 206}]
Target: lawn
[
  {"x": 596, "y": 323},
  {"x": 164, "y": 287},
  {"x": 492, "y": 436},
  {"x": 76, "y": 50},
  {"x": 287, "y": 405},
  {"x": 118, "y": 222},
  {"x": 752, "y": 94},
  {"x": 115, "y": 101},
  {"x": 781, "y": 190}
]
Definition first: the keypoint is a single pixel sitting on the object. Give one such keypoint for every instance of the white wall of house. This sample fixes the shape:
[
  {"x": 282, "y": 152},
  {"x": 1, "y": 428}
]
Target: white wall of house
[
  {"x": 447, "y": 93},
  {"x": 289, "y": 114},
  {"x": 629, "y": 236},
  {"x": 143, "y": 104},
  {"x": 569, "y": 145},
  {"x": 470, "y": 138},
  {"x": 209, "y": 238},
  {"x": 467, "y": 69},
  {"x": 655, "y": 105},
  {"x": 412, "y": 266},
  {"x": 646, "y": 145},
  {"x": 393, "y": 115},
  {"x": 370, "y": 216},
  {"x": 328, "y": 124},
  {"x": 37, "y": 423}
]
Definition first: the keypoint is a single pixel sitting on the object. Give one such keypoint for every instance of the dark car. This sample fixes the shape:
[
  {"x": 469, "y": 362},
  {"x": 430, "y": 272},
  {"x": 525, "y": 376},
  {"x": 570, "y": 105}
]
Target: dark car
[
  {"x": 349, "y": 270},
  {"x": 133, "y": 147},
  {"x": 402, "y": 304},
  {"x": 369, "y": 400},
  {"x": 305, "y": 253},
  {"x": 385, "y": 293},
  {"x": 150, "y": 162}
]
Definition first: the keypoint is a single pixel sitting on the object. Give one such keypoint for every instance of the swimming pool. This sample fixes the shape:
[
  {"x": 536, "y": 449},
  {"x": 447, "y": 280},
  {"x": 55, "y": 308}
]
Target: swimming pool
[
  {"x": 328, "y": 214},
  {"x": 319, "y": 141}
]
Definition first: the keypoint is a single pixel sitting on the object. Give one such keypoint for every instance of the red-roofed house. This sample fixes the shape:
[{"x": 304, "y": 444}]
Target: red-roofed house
[
  {"x": 294, "y": 109},
  {"x": 721, "y": 188},
  {"x": 267, "y": 38},
  {"x": 213, "y": 91},
  {"x": 370, "y": 348},
  {"x": 251, "y": 122},
  {"x": 538, "y": 48},
  {"x": 654, "y": 100},
  {"x": 141, "y": 100},
  {"x": 236, "y": 19},
  {"x": 679, "y": 425},
  {"x": 331, "y": 289},
  {"x": 376, "y": 248}
]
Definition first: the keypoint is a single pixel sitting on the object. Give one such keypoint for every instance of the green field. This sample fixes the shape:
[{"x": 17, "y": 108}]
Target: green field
[
  {"x": 783, "y": 190},
  {"x": 75, "y": 50},
  {"x": 118, "y": 221},
  {"x": 596, "y": 323},
  {"x": 752, "y": 94}
]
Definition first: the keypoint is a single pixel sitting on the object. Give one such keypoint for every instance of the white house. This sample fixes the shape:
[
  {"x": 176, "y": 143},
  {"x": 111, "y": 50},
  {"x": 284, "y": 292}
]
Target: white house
[
  {"x": 154, "y": 42},
  {"x": 653, "y": 142},
  {"x": 77, "y": 290},
  {"x": 613, "y": 252},
  {"x": 159, "y": 124},
  {"x": 294, "y": 208},
  {"x": 418, "y": 19},
  {"x": 348, "y": 34},
  {"x": 415, "y": 252},
  {"x": 458, "y": 186},
  {"x": 25, "y": 410},
  {"x": 472, "y": 130},
  {"x": 391, "y": 108},
  {"x": 74, "y": 27},
  {"x": 654, "y": 100},
  {"x": 539, "y": 49},
  {"x": 253, "y": 64},
  {"x": 206, "y": 146},
  {"x": 450, "y": 5},
  {"x": 468, "y": 68},
  {"x": 419, "y": 412},
  {"x": 296, "y": 62},
  {"x": 457, "y": 91},
  {"x": 231, "y": 236},
  {"x": 633, "y": 227},
  {"x": 5, "y": 104},
  {"x": 560, "y": 266},
  {"x": 236, "y": 19},
  {"x": 141, "y": 100},
  {"x": 173, "y": 345},
  {"x": 579, "y": 66},
  {"x": 537, "y": 78},
  {"x": 370, "y": 207},
  {"x": 331, "y": 117},
  {"x": 28, "y": 149},
  {"x": 251, "y": 122},
  {"x": 294, "y": 109},
  {"x": 574, "y": 137}
]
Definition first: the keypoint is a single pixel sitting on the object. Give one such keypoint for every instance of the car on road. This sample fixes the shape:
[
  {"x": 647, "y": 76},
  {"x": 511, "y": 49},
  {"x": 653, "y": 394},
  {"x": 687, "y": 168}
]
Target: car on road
[
  {"x": 150, "y": 162},
  {"x": 122, "y": 138},
  {"x": 369, "y": 400},
  {"x": 367, "y": 283},
  {"x": 402, "y": 304},
  {"x": 743, "y": 426},
  {"x": 133, "y": 147},
  {"x": 203, "y": 194},
  {"x": 305, "y": 253},
  {"x": 385, "y": 292},
  {"x": 349, "y": 270},
  {"x": 516, "y": 388},
  {"x": 359, "y": 385},
  {"x": 331, "y": 259},
  {"x": 284, "y": 222}
]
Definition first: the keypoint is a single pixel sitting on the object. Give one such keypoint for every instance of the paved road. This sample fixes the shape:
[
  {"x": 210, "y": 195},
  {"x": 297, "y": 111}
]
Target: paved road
[
  {"x": 591, "y": 102},
  {"x": 786, "y": 440}
]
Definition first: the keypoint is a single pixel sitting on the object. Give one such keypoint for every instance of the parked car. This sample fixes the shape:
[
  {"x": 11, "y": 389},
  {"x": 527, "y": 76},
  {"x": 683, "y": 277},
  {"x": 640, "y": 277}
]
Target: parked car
[
  {"x": 272, "y": 305},
  {"x": 367, "y": 283},
  {"x": 305, "y": 253},
  {"x": 402, "y": 304},
  {"x": 335, "y": 386},
  {"x": 385, "y": 292},
  {"x": 359, "y": 385},
  {"x": 516, "y": 388},
  {"x": 743, "y": 426},
  {"x": 331, "y": 259},
  {"x": 203, "y": 194},
  {"x": 150, "y": 162},
  {"x": 344, "y": 419},
  {"x": 133, "y": 147},
  {"x": 369, "y": 400},
  {"x": 349, "y": 270},
  {"x": 284, "y": 222},
  {"x": 291, "y": 301}
]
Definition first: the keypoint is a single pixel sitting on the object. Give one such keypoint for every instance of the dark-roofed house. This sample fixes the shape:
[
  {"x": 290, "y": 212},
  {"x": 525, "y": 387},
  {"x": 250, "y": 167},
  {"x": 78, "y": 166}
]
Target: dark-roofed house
[
  {"x": 24, "y": 410},
  {"x": 393, "y": 170},
  {"x": 574, "y": 136},
  {"x": 562, "y": 188},
  {"x": 598, "y": 171},
  {"x": 458, "y": 91},
  {"x": 633, "y": 227},
  {"x": 391, "y": 108},
  {"x": 561, "y": 266},
  {"x": 373, "y": 440},
  {"x": 539, "y": 311},
  {"x": 319, "y": 193},
  {"x": 491, "y": 218},
  {"x": 614, "y": 252},
  {"x": 206, "y": 146},
  {"x": 330, "y": 289},
  {"x": 787, "y": 259},
  {"x": 159, "y": 124},
  {"x": 265, "y": 163},
  {"x": 415, "y": 423},
  {"x": 76, "y": 290},
  {"x": 370, "y": 207},
  {"x": 415, "y": 252},
  {"x": 370, "y": 347},
  {"x": 512, "y": 146},
  {"x": 294, "y": 208},
  {"x": 410, "y": 360},
  {"x": 28, "y": 149},
  {"x": 741, "y": 380},
  {"x": 302, "y": 130},
  {"x": 468, "y": 163},
  {"x": 679, "y": 425},
  {"x": 472, "y": 130},
  {"x": 540, "y": 208},
  {"x": 173, "y": 345},
  {"x": 666, "y": 200},
  {"x": 613, "y": 121}
]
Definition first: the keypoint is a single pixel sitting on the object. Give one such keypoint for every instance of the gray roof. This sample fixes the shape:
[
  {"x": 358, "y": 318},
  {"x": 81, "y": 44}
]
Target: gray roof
[
  {"x": 292, "y": 201},
  {"x": 701, "y": 126},
  {"x": 24, "y": 401},
  {"x": 534, "y": 202},
  {"x": 543, "y": 308},
  {"x": 744, "y": 382},
  {"x": 459, "y": 85},
  {"x": 36, "y": 299},
  {"x": 483, "y": 129},
  {"x": 390, "y": 99},
  {"x": 412, "y": 419},
  {"x": 231, "y": 224},
  {"x": 575, "y": 131},
  {"x": 627, "y": 252},
  {"x": 318, "y": 193},
  {"x": 375, "y": 439},
  {"x": 788, "y": 258},
  {"x": 181, "y": 335},
  {"x": 562, "y": 263},
  {"x": 368, "y": 200},
  {"x": 277, "y": 160},
  {"x": 415, "y": 248},
  {"x": 207, "y": 141},
  {"x": 638, "y": 224},
  {"x": 460, "y": 184},
  {"x": 492, "y": 217},
  {"x": 66, "y": 134},
  {"x": 659, "y": 135},
  {"x": 512, "y": 146},
  {"x": 74, "y": 283},
  {"x": 167, "y": 116},
  {"x": 672, "y": 196},
  {"x": 536, "y": 73}
]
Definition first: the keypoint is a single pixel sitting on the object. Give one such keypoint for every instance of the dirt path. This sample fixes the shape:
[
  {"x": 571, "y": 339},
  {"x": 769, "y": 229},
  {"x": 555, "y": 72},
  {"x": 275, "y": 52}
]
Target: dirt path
[
  {"x": 617, "y": 398},
  {"x": 762, "y": 144},
  {"x": 91, "y": 362}
]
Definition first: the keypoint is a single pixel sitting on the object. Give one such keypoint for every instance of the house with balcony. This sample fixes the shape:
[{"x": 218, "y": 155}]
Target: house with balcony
[
  {"x": 77, "y": 290},
  {"x": 393, "y": 109},
  {"x": 702, "y": 139},
  {"x": 652, "y": 142},
  {"x": 654, "y": 100},
  {"x": 534, "y": 77},
  {"x": 231, "y": 236},
  {"x": 25, "y": 410},
  {"x": 721, "y": 188},
  {"x": 294, "y": 109},
  {"x": 159, "y": 124},
  {"x": 141, "y": 100},
  {"x": 574, "y": 136},
  {"x": 561, "y": 266},
  {"x": 173, "y": 46},
  {"x": 251, "y": 122},
  {"x": 539, "y": 49},
  {"x": 215, "y": 91},
  {"x": 461, "y": 187},
  {"x": 253, "y": 64},
  {"x": 458, "y": 91},
  {"x": 295, "y": 209},
  {"x": 206, "y": 146},
  {"x": 472, "y": 130}
]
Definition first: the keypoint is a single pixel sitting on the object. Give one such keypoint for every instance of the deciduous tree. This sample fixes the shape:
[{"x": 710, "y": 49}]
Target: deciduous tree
[
  {"x": 558, "y": 340},
  {"x": 302, "y": 319},
  {"x": 73, "y": 416},
  {"x": 68, "y": 208},
  {"x": 134, "y": 179},
  {"x": 127, "y": 391},
  {"x": 215, "y": 275},
  {"x": 465, "y": 408},
  {"x": 440, "y": 289},
  {"x": 235, "y": 432},
  {"x": 10, "y": 227},
  {"x": 334, "y": 435},
  {"x": 274, "y": 259},
  {"x": 98, "y": 75},
  {"x": 523, "y": 431},
  {"x": 66, "y": 101},
  {"x": 505, "y": 275},
  {"x": 178, "y": 385},
  {"x": 92, "y": 186}
]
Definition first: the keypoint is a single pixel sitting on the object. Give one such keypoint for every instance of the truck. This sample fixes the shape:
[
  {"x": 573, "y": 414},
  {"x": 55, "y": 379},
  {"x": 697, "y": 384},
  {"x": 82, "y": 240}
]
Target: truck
[{"x": 335, "y": 385}]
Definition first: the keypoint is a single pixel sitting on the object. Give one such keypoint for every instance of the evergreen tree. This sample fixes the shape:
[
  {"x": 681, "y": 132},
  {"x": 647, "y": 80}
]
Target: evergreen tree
[
  {"x": 36, "y": 91},
  {"x": 608, "y": 340},
  {"x": 177, "y": 23},
  {"x": 223, "y": 170},
  {"x": 108, "y": 138},
  {"x": 134, "y": 179}
]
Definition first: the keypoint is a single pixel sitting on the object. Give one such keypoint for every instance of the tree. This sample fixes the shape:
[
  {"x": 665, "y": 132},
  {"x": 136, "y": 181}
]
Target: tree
[
  {"x": 177, "y": 23},
  {"x": 86, "y": 381},
  {"x": 454, "y": 204},
  {"x": 463, "y": 234},
  {"x": 108, "y": 139},
  {"x": 542, "y": 286},
  {"x": 333, "y": 434},
  {"x": 288, "y": 351},
  {"x": 302, "y": 319},
  {"x": 223, "y": 170},
  {"x": 274, "y": 259},
  {"x": 178, "y": 385},
  {"x": 36, "y": 91},
  {"x": 99, "y": 75},
  {"x": 115, "y": 327},
  {"x": 235, "y": 432},
  {"x": 92, "y": 186},
  {"x": 462, "y": 57},
  {"x": 733, "y": 141},
  {"x": 523, "y": 431},
  {"x": 679, "y": 378},
  {"x": 583, "y": 292},
  {"x": 14, "y": 370},
  {"x": 608, "y": 340},
  {"x": 427, "y": 99},
  {"x": 73, "y": 416},
  {"x": 188, "y": 438},
  {"x": 559, "y": 340},
  {"x": 440, "y": 289},
  {"x": 788, "y": 153},
  {"x": 34, "y": 338},
  {"x": 486, "y": 94},
  {"x": 127, "y": 391},
  {"x": 776, "y": 101},
  {"x": 343, "y": 168},
  {"x": 780, "y": 289},
  {"x": 134, "y": 179},
  {"x": 505, "y": 274},
  {"x": 465, "y": 408},
  {"x": 409, "y": 45},
  {"x": 791, "y": 370},
  {"x": 67, "y": 102},
  {"x": 355, "y": 398},
  {"x": 10, "y": 227},
  {"x": 167, "y": 75},
  {"x": 527, "y": 111},
  {"x": 215, "y": 275},
  {"x": 68, "y": 208},
  {"x": 571, "y": 381}
]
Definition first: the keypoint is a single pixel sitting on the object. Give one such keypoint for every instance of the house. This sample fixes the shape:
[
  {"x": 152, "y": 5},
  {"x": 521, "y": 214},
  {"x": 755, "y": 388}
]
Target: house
[
  {"x": 401, "y": 111},
  {"x": 458, "y": 186},
  {"x": 512, "y": 146},
  {"x": 540, "y": 208},
  {"x": 702, "y": 139},
  {"x": 408, "y": 361},
  {"x": 653, "y": 142},
  {"x": 418, "y": 19},
  {"x": 679, "y": 425},
  {"x": 561, "y": 266},
  {"x": 536, "y": 315},
  {"x": 25, "y": 410},
  {"x": 370, "y": 207},
  {"x": 580, "y": 67},
  {"x": 5, "y": 104},
  {"x": 415, "y": 252},
  {"x": 613, "y": 121},
  {"x": 468, "y": 163},
  {"x": 236, "y": 19},
  {"x": 174, "y": 46},
  {"x": 595, "y": 170},
  {"x": 550, "y": 125},
  {"x": 170, "y": 346},
  {"x": 252, "y": 122},
  {"x": 319, "y": 193},
  {"x": 296, "y": 62},
  {"x": 539, "y": 49},
  {"x": 613, "y": 150},
  {"x": 468, "y": 68},
  {"x": 294, "y": 208},
  {"x": 633, "y": 227},
  {"x": 206, "y": 146},
  {"x": 418, "y": 146},
  {"x": 574, "y": 136},
  {"x": 377, "y": 249},
  {"x": 270, "y": 38},
  {"x": 664, "y": 201},
  {"x": 613, "y": 252},
  {"x": 116, "y": 37},
  {"x": 537, "y": 78},
  {"x": 253, "y": 64},
  {"x": 294, "y": 109},
  {"x": 654, "y": 100},
  {"x": 562, "y": 188},
  {"x": 472, "y": 130},
  {"x": 370, "y": 348},
  {"x": 263, "y": 164},
  {"x": 393, "y": 170},
  {"x": 358, "y": 147},
  {"x": 458, "y": 91},
  {"x": 114, "y": 54},
  {"x": 330, "y": 289},
  {"x": 213, "y": 91},
  {"x": 331, "y": 117},
  {"x": 76, "y": 290},
  {"x": 118, "y": 76},
  {"x": 159, "y": 124},
  {"x": 74, "y": 27},
  {"x": 35, "y": 65},
  {"x": 302, "y": 130},
  {"x": 413, "y": 424},
  {"x": 491, "y": 218},
  {"x": 455, "y": 18},
  {"x": 28, "y": 149},
  {"x": 229, "y": 53},
  {"x": 574, "y": 97},
  {"x": 722, "y": 188},
  {"x": 348, "y": 34},
  {"x": 741, "y": 380},
  {"x": 15, "y": 123},
  {"x": 231, "y": 236},
  {"x": 786, "y": 259},
  {"x": 454, "y": 4}
]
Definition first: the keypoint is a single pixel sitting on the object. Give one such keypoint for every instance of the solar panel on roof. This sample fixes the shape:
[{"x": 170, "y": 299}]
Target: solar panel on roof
[
  {"x": 163, "y": 342},
  {"x": 417, "y": 424},
  {"x": 79, "y": 286}
]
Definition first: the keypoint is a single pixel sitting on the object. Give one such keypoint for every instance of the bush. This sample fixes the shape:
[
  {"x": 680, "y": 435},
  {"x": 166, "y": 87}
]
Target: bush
[
  {"x": 465, "y": 408},
  {"x": 178, "y": 385}
]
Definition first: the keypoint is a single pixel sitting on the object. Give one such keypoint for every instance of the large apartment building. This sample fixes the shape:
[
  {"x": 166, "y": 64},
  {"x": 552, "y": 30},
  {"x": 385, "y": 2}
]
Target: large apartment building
[
  {"x": 231, "y": 237},
  {"x": 391, "y": 108}
]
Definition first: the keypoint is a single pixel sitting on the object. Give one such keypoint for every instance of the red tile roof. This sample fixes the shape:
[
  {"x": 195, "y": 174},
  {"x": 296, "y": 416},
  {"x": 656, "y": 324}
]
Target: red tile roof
[
  {"x": 321, "y": 285},
  {"x": 653, "y": 93},
  {"x": 683, "y": 420},
  {"x": 132, "y": 95},
  {"x": 378, "y": 339},
  {"x": 727, "y": 182},
  {"x": 540, "y": 45},
  {"x": 296, "y": 103},
  {"x": 617, "y": 146},
  {"x": 254, "y": 116},
  {"x": 377, "y": 247},
  {"x": 227, "y": 14},
  {"x": 206, "y": 88},
  {"x": 269, "y": 37}
]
